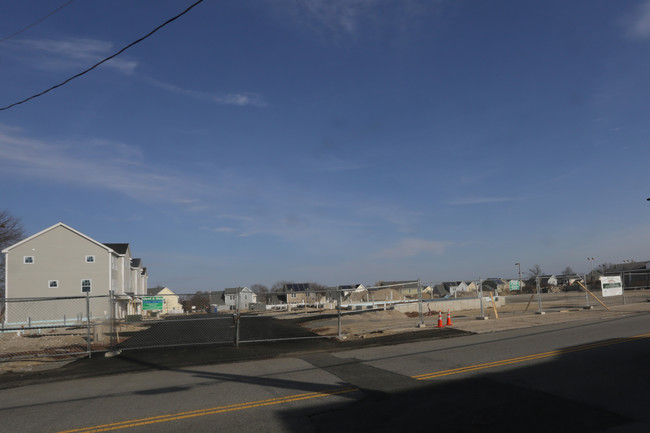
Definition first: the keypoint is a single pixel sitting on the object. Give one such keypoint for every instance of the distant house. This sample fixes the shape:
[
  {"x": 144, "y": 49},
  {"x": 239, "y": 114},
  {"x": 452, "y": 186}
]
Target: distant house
[
  {"x": 498, "y": 284},
  {"x": 239, "y": 298},
  {"x": 405, "y": 288},
  {"x": 348, "y": 289},
  {"x": 567, "y": 280},
  {"x": 441, "y": 290},
  {"x": 303, "y": 293},
  {"x": 64, "y": 263},
  {"x": 218, "y": 299},
  {"x": 455, "y": 287},
  {"x": 171, "y": 303},
  {"x": 634, "y": 274}
]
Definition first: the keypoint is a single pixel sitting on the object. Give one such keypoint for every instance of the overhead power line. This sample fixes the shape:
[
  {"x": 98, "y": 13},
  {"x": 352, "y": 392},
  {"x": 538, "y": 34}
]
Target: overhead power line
[
  {"x": 38, "y": 21},
  {"x": 104, "y": 60}
]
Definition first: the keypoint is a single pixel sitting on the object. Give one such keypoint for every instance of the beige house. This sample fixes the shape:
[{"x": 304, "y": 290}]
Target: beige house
[
  {"x": 171, "y": 304},
  {"x": 60, "y": 262}
]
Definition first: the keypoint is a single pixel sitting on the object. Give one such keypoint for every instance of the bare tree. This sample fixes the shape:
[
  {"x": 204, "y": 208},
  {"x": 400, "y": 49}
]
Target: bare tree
[
  {"x": 568, "y": 271},
  {"x": 278, "y": 286},
  {"x": 535, "y": 271},
  {"x": 262, "y": 292},
  {"x": 11, "y": 232}
]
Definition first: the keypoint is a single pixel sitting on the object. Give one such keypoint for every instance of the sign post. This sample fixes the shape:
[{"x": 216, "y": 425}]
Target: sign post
[
  {"x": 514, "y": 285},
  {"x": 85, "y": 288}
]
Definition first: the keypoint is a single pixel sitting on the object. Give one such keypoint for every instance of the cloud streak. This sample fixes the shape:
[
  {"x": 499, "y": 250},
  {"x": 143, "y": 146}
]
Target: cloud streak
[
  {"x": 638, "y": 26},
  {"x": 348, "y": 17},
  {"x": 481, "y": 200},
  {"x": 70, "y": 53},
  {"x": 239, "y": 99},
  {"x": 100, "y": 163}
]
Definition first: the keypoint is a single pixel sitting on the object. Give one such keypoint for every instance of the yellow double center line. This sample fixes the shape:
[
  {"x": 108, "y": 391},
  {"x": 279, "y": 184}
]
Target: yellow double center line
[
  {"x": 311, "y": 395},
  {"x": 209, "y": 411},
  {"x": 525, "y": 358}
]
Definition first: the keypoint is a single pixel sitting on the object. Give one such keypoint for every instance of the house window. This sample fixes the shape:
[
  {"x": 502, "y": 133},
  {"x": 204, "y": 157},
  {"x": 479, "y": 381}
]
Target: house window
[
  {"x": 85, "y": 286},
  {"x": 90, "y": 259},
  {"x": 293, "y": 295},
  {"x": 28, "y": 260},
  {"x": 53, "y": 284}
]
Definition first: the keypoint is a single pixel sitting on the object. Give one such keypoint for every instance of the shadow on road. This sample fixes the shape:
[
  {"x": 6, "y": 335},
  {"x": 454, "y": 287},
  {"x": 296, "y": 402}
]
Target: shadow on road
[{"x": 582, "y": 390}]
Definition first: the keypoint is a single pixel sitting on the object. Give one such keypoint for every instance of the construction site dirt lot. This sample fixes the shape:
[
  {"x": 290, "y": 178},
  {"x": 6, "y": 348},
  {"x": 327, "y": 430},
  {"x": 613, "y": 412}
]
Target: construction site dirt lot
[
  {"x": 521, "y": 312},
  {"x": 60, "y": 345}
]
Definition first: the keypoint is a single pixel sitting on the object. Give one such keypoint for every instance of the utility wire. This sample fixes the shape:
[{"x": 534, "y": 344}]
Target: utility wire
[
  {"x": 105, "y": 60},
  {"x": 40, "y": 20}
]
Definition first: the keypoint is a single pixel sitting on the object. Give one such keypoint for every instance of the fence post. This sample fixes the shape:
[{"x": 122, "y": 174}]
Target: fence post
[
  {"x": 623, "y": 286},
  {"x": 421, "y": 325},
  {"x": 339, "y": 313},
  {"x": 88, "y": 323},
  {"x": 112, "y": 319},
  {"x": 480, "y": 293},
  {"x": 539, "y": 296},
  {"x": 237, "y": 321}
]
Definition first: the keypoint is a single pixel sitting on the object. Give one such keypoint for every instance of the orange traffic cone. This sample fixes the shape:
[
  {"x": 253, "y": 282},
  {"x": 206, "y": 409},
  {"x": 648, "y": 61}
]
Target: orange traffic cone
[
  {"x": 449, "y": 319},
  {"x": 440, "y": 325}
]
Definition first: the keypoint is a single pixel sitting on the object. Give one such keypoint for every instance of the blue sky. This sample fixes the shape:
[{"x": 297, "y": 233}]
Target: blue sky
[{"x": 338, "y": 141}]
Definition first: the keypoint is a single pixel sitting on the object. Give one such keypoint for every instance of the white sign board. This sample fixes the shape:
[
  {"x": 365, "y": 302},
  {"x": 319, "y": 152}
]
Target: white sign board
[{"x": 612, "y": 286}]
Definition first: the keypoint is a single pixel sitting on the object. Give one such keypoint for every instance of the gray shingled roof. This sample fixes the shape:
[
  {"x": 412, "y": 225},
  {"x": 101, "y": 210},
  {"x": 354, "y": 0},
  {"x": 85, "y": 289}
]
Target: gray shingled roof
[{"x": 118, "y": 248}]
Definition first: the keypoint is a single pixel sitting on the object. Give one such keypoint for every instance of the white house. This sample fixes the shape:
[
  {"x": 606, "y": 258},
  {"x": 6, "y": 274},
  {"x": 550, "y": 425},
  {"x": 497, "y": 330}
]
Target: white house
[
  {"x": 61, "y": 262},
  {"x": 244, "y": 295}
]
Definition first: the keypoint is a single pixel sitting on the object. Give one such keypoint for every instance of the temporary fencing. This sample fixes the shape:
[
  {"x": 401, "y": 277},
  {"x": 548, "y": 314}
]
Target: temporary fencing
[{"x": 82, "y": 325}]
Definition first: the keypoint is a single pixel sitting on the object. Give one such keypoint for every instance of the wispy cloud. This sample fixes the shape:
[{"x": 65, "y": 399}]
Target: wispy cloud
[
  {"x": 99, "y": 163},
  {"x": 347, "y": 17},
  {"x": 220, "y": 229},
  {"x": 638, "y": 24},
  {"x": 411, "y": 247},
  {"x": 338, "y": 14},
  {"x": 240, "y": 99},
  {"x": 481, "y": 200},
  {"x": 70, "y": 53}
]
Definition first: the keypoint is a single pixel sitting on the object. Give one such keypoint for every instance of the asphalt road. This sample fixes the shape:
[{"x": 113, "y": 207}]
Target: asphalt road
[{"x": 580, "y": 377}]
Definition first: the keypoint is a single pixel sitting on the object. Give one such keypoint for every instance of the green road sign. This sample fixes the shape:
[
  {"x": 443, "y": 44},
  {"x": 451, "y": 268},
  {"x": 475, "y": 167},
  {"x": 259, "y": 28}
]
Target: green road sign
[
  {"x": 514, "y": 284},
  {"x": 152, "y": 303}
]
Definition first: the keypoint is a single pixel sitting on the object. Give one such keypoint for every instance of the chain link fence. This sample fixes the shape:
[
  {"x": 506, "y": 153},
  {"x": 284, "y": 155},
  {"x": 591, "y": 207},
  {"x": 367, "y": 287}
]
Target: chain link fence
[{"x": 82, "y": 325}]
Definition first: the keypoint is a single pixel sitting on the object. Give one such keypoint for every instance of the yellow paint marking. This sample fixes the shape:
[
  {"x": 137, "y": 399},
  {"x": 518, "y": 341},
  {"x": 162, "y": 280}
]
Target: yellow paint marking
[
  {"x": 310, "y": 395},
  {"x": 209, "y": 411},
  {"x": 525, "y": 358}
]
